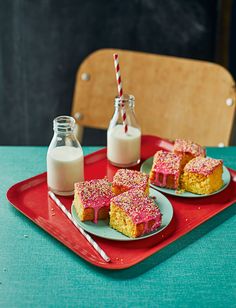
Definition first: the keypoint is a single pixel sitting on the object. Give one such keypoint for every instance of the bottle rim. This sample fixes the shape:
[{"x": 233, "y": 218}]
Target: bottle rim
[
  {"x": 127, "y": 98},
  {"x": 64, "y": 123}
]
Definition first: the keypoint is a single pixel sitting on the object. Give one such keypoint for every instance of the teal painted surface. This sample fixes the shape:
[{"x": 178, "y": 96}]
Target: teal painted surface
[{"x": 37, "y": 271}]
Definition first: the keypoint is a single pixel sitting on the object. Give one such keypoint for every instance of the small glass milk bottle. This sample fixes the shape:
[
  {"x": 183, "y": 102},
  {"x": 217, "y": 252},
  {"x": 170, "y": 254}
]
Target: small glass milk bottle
[
  {"x": 65, "y": 160},
  {"x": 123, "y": 148}
]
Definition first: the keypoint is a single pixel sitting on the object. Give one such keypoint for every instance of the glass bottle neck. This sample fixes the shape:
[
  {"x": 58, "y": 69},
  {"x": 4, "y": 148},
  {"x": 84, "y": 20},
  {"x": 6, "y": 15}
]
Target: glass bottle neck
[
  {"x": 64, "y": 125},
  {"x": 64, "y": 133},
  {"x": 128, "y": 101}
]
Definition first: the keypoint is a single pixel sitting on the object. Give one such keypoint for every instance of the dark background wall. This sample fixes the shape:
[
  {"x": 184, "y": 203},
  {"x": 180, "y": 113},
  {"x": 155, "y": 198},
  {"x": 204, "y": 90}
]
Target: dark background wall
[
  {"x": 232, "y": 41},
  {"x": 42, "y": 43}
]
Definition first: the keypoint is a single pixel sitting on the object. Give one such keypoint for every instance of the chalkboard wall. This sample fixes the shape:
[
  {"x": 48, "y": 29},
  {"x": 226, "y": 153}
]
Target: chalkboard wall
[{"x": 42, "y": 43}]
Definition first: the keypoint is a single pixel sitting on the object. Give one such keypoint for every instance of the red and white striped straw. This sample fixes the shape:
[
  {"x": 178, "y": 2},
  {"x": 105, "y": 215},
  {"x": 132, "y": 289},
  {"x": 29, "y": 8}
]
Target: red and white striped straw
[
  {"x": 120, "y": 90},
  {"x": 85, "y": 234}
]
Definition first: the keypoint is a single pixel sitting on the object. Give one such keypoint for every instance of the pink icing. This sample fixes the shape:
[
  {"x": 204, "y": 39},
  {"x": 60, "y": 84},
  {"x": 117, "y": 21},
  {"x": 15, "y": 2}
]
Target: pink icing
[
  {"x": 130, "y": 179},
  {"x": 187, "y": 146},
  {"x": 140, "y": 208},
  {"x": 95, "y": 194},
  {"x": 164, "y": 180},
  {"x": 166, "y": 163},
  {"x": 202, "y": 165}
]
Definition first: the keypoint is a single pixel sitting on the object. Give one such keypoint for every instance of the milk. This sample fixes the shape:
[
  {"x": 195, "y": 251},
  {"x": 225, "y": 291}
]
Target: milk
[
  {"x": 123, "y": 149},
  {"x": 65, "y": 166}
]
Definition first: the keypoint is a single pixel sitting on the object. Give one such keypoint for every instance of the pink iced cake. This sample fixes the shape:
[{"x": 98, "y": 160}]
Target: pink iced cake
[
  {"x": 92, "y": 199},
  {"x": 166, "y": 169},
  {"x": 202, "y": 175},
  {"x": 134, "y": 214},
  {"x": 188, "y": 149},
  {"x": 126, "y": 179}
]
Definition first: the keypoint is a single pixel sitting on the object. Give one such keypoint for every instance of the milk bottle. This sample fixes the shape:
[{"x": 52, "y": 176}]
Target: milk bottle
[
  {"x": 123, "y": 147},
  {"x": 65, "y": 161}
]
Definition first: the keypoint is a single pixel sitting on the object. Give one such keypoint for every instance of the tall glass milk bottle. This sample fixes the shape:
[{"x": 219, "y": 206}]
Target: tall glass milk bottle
[
  {"x": 123, "y": 148},
  {"x": 65, "y": 160}
]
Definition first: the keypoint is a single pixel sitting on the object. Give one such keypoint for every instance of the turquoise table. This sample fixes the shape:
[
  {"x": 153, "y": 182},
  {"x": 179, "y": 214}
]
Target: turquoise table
[{"x": 199, "y": 270}]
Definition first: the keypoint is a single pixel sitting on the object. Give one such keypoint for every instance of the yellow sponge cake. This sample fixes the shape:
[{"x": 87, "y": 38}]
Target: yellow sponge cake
[
  {"x": 202, "y": 175},
  {"x": 134, "y": 214}
]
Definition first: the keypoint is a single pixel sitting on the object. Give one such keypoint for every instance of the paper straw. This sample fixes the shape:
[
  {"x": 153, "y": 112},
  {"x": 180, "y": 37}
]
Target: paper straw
[
  {"x": 120, "y": 90},
  {"x": 86, "y": 235}
]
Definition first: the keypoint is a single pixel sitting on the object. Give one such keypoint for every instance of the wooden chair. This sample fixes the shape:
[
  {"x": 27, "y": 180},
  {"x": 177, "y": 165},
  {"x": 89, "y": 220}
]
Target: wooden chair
[{"x": 175, "y": 97}]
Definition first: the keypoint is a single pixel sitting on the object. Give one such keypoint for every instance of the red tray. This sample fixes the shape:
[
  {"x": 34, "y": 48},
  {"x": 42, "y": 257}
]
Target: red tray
[{"x": 31, "y": 198}]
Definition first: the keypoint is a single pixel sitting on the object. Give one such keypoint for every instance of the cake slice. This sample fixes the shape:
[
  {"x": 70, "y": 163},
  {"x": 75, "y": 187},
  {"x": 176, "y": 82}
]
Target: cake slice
[
  {"x": 188, "y": 149},
  {"x": 166, "y": 169},
  {"x": 202, "y": 175},
  {"x": 126, "y": 179},
  {"x": 92, "y": 199},
  {"x": 134, "y": 214}
]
